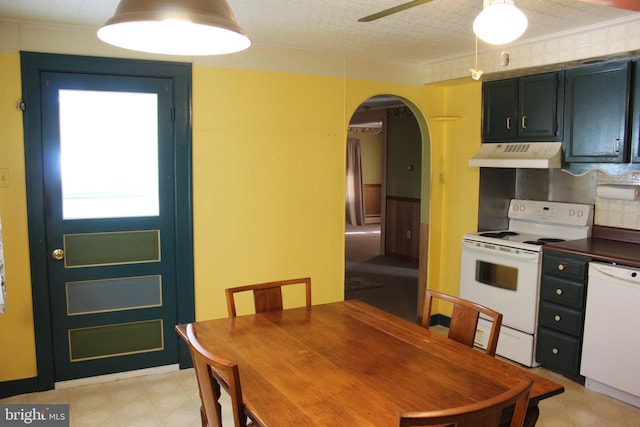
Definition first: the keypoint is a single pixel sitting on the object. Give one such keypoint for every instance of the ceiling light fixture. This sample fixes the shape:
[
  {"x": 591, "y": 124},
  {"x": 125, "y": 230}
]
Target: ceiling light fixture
[
  {"x": 500, "y": 22},
  {"x": 175, "y": 27}
]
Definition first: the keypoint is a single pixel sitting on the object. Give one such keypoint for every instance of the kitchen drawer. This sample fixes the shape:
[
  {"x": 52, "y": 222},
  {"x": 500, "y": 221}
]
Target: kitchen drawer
[
  {"x": 558, "y": 351},
  {"x": 562, "y": 292},
  {"x": 565, "y": 267},
  {"x": 560, "y": 318}
]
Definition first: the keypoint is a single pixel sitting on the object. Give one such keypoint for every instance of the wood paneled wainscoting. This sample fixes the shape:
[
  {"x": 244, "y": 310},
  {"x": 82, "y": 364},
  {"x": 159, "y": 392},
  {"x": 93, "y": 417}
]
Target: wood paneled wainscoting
[
  {"x": 402, "y": 227},
  {"x": 372, "y": 203}
]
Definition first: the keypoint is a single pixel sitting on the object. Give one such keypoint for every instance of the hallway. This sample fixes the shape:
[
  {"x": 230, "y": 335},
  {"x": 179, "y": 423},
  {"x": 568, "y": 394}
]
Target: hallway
[{"x": 388, "y": 283}]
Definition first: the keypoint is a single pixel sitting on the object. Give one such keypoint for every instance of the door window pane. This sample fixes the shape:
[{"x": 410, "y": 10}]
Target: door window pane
[
  {"x": 113, "y": 340},
  {"x": 108, "y": 154},
  {"x": 123, "y": 293},
  {"x": 123, "y": 247}
]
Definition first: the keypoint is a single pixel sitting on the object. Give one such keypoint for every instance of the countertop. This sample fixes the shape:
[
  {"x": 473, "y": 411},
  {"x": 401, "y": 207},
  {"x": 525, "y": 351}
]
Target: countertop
[{"x": 615, "y": 245}]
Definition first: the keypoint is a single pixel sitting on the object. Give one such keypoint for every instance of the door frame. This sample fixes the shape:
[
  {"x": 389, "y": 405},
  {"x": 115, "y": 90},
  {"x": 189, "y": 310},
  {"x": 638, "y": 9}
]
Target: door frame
[
  {"x": 425, "y": 190},
  {"x": 32, "y": 65}
]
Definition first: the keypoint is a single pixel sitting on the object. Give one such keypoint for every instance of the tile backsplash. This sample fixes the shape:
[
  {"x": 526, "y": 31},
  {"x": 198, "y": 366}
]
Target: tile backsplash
[
  {"x": 562, "y": 186},
  {"x": 618, "y": 213}
]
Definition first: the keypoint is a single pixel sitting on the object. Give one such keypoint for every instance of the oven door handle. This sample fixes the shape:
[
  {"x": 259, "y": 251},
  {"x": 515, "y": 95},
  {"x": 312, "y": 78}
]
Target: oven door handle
[{"x": 505, "y": 252}]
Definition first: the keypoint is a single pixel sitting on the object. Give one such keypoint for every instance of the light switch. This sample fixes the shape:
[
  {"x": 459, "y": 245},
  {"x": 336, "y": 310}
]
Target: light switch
[{"x": 4, "y": 178}]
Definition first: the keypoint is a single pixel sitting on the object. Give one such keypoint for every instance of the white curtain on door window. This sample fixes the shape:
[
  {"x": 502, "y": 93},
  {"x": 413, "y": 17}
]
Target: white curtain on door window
[{"x": 355, "y": 188}]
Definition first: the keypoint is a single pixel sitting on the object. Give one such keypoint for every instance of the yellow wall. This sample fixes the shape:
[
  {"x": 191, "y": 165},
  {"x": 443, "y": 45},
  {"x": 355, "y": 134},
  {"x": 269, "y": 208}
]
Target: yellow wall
[
  {"x": 268, "y": 170},
  {"x": 17, "y": 340},
  {"x": 268, "y": 186},
  {"x": 454, "y": 190},
  {"x": 371, "y": 153}
]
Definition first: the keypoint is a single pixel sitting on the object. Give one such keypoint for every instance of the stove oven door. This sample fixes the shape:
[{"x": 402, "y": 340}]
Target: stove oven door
[{"x": 506, "y": 280}]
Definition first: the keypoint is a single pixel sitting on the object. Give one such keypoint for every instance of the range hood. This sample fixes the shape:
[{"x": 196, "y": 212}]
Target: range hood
[{"x": 535, "y": 155}]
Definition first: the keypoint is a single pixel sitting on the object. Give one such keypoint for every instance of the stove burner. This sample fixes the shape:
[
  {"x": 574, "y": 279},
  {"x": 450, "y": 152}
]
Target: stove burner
[
  {"x": 534, "y": 242},
  {"x": 550, "y": 240},
  {"x": 543, "y": 240},
  {"x": 499, "y": 234}
]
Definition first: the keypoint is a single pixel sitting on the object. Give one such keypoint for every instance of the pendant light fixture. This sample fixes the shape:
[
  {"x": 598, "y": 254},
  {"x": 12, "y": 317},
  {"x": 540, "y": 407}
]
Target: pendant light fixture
[
  {"x": 500, "y": 22},
  {"x": 175, "y": 27},
  {"x": 476, "y": 73}
]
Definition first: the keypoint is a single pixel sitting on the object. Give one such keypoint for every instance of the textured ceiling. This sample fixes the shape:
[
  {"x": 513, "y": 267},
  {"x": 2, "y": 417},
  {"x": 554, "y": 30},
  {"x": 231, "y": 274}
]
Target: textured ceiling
[{"x": 432, "y": 32}]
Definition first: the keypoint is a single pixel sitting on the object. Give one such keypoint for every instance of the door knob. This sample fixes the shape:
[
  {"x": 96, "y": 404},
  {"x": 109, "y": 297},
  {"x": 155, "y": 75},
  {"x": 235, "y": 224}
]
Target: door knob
[{"x": 57, "y": 254}]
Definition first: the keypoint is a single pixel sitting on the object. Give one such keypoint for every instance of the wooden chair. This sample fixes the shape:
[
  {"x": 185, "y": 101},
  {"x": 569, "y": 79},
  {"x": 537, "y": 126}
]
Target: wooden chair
[
  {"x": 464, "y": 319},
  {"x": 267, "y": 296},
  {"x": 212, "y": 372},
  {"x": 487, "y": 413}
]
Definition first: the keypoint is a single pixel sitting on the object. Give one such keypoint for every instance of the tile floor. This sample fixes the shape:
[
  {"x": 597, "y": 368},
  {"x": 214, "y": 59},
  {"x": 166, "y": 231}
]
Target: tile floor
[{"x": 171, "y": 399}]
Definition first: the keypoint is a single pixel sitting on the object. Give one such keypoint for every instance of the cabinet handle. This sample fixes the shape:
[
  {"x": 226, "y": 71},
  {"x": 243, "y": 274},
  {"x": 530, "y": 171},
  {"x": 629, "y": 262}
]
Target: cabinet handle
[
  {"x": 561, "y": 267},
  {"x": 509, "y": 123},
  {"x": 524, "y": 122},
  {"x": 556, "y": 318},
  {"x": 555, "y": 350},
  {"x": 559, "y": 291},
  {"x": 616, "y": 145}
]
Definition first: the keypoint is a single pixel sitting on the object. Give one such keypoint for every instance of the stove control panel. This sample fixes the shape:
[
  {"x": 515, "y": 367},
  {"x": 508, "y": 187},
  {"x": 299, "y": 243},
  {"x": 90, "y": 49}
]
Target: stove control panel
[{"x": 574, "y": 214}]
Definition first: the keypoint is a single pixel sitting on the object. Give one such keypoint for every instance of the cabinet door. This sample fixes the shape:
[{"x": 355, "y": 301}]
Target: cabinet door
[
  {"x": 499, "y": 122},
  {"x": 558, "y": 351},
  {"x": 635, "y": 111},
  {"x": 538, "y": 110},
  {"x": 596, "y": 113}
]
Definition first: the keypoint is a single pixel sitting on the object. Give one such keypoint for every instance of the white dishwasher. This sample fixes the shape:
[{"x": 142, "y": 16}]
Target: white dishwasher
[{"x": 611, "y": 345}]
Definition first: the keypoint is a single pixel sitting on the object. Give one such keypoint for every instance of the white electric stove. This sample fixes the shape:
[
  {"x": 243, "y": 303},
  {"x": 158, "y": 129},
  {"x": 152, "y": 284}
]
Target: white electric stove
[{"x": 501, "y": 269}]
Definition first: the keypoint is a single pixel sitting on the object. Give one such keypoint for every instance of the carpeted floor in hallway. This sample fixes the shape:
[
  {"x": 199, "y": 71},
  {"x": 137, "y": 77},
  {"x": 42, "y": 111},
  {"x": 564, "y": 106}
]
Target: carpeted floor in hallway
[{"x": 388, "y": 283}]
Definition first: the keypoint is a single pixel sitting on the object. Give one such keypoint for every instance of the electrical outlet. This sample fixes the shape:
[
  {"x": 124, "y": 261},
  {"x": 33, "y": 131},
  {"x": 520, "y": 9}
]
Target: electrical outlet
[
  {"x": 408, "y": 234},
  {"x": 4, "y": 178}
]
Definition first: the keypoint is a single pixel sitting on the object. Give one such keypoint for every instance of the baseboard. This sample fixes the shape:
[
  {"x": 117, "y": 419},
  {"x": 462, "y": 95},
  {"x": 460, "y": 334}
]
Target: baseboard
[
  {"x": 440, "y": 320},
  {"x": 372, "y": 219},
  {"x": 117, "y": 376},
  {"x": 30, "y": 385},
  {"x": 16, "y": 387}
]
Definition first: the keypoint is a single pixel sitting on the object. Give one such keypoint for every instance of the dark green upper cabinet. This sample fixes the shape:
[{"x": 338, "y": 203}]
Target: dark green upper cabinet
[
  {"x": 596, "y": 114},
  {"x": 523, "y": 109},
  {"x": 635, "y": 111},
  {"x": 499, "y": 110}
]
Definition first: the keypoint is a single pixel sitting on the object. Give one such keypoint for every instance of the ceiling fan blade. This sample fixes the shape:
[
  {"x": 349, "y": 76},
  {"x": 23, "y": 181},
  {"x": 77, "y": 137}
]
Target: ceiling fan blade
[
  {"x": 620, "y": 4},
  {"x": 393, "y": 10}
]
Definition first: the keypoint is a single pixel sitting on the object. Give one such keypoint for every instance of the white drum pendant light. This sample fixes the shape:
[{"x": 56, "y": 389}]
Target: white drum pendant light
[
  {"x": 175, "y": 27},
  {"x": 500, "y": 22}
]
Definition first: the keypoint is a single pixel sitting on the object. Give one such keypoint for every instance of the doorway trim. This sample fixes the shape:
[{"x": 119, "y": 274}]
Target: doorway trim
[{"x": 32, "y": 65}]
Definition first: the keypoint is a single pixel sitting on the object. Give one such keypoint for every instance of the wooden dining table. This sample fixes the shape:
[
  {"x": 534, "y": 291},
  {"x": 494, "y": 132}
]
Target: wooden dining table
[{"x": 351, "y": 364}]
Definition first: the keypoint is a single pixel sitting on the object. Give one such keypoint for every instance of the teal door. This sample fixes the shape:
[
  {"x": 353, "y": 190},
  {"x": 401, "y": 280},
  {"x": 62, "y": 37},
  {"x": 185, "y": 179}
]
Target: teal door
[{"x": 108, "y": 171}]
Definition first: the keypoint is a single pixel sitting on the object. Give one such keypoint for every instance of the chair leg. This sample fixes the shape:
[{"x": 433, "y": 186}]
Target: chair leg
[{"x": 203, "y": 417}]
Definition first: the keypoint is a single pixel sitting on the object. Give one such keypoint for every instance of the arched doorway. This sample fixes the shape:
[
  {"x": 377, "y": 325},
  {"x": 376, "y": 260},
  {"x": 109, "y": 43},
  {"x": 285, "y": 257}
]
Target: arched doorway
[{"x": 386, "y": 248}]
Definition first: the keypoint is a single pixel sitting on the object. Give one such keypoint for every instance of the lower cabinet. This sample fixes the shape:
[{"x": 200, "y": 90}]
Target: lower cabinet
[
  {"x": 559, "y": 352},
  {"x": 563, "y": 290}
]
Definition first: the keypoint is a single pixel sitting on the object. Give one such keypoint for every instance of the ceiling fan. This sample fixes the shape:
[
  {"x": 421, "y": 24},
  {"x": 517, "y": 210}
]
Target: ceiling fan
[
  {"x": 393, "y": 10},
  {"x": 620, "y": 4}
]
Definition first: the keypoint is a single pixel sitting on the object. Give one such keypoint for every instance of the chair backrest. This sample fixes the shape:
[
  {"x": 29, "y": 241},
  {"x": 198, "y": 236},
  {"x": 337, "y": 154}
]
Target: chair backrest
[
  {"x": 212, "y": 372},
  {"x": 487, "y": 413},
  {"x": 464, "y": 319},
  {"x": 267, "y": 296}
]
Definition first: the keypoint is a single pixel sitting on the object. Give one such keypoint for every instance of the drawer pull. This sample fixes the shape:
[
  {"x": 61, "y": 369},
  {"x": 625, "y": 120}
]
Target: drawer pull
[
  {"x": 556, "y": 318},
  {"x": 559, "y": 291},
  {"x": 555, "y": 350},
  {"x": 561, "y": 267}
]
